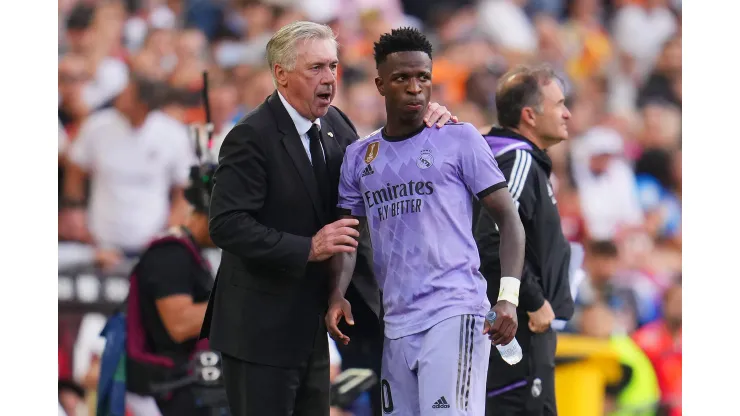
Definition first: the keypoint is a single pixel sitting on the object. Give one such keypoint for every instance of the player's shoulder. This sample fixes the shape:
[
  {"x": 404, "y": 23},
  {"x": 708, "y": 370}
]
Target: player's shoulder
[
  {"x": 363, "y": 142},
  {"x": 460, "y": 129},
  {"x": 458, "y": 135}
]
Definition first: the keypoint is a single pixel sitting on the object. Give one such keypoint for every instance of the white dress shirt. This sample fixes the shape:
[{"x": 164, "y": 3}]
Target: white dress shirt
[{"x": 302, "y": 126}]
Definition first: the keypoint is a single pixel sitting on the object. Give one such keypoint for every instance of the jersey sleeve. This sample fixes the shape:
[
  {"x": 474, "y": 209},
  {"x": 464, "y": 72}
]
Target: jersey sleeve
[
  {"x": 522, "y": 182},
  {"x": 350, "y": 197},
  {"x": 478, "y": 166}
]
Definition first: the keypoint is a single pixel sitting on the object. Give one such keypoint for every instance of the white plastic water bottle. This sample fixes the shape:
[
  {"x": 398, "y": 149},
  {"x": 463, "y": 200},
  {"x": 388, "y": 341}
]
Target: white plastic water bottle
[{"x": 511, "y": 352}]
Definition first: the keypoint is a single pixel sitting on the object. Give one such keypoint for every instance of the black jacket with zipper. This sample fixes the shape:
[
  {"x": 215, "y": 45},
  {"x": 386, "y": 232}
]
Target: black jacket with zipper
[{"x": 547, "y": 253}]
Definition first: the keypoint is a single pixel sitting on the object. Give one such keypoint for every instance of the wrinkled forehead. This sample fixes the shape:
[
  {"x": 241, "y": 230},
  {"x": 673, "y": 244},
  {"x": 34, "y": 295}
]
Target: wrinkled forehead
[{"x": 316, "y": 51}]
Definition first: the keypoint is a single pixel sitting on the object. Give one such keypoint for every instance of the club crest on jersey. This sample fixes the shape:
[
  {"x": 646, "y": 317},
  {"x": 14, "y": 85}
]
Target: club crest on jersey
[
  {"x": 426, "y": 160},
  {"x": 372, "y": 152}
]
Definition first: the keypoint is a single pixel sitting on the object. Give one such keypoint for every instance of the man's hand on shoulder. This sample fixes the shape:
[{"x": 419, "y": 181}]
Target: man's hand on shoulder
[
  {"x": 337, "y": 237},
  {"x": 439, "y": 114}
]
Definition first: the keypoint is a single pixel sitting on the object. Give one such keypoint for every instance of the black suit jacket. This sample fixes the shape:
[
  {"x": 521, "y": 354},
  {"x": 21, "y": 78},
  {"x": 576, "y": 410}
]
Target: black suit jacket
[{"x": 268, "y": 301}]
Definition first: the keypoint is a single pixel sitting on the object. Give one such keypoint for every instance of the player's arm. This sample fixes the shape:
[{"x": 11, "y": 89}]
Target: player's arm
[
  {"x": 501, "y": 207},
  {"x": 511, "y": 252},
  {"x": 484, "y": 179},
  {"x": 342, "y": 265}
]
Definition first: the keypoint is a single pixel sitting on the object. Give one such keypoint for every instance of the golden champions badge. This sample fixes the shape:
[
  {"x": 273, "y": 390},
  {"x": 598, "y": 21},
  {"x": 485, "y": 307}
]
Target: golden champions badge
[{"x": 372, "y": 152}]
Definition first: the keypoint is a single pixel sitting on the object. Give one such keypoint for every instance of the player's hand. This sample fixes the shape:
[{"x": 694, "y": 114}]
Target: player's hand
[
  {"x": 540, "y": 320},
  {"x": 338, "y": 307},
  {"x": 504, "y": 327},
  {"x": 337, "y": 237},
  {"x": 439, "y": 114}
]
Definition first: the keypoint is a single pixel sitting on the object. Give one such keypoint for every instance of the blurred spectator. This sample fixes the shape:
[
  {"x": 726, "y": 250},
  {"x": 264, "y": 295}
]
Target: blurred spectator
[
  {"x": 658, "y": 184},
  {"x": 191, "y": 52},
  {"x": 655, "y": 24},
  {"x": 586, "y": 42},
  {"x": 73, "y": 78},
  {"x": 138, "y": 159},
  {"x": 602, "y": 286},
  {"x": 156, "y": 59},
  {"x": 506, "y": 24},
  {"x": 606, "y": 184},
  {"x": 367, "y": 111},
  {"x": 661, "y": 126},
  {"x": 637, "y": 393},
  {"x": 661, "y": 341},
  {"x": 223, "y": 98},
  {"x": 664, "y": 83}
]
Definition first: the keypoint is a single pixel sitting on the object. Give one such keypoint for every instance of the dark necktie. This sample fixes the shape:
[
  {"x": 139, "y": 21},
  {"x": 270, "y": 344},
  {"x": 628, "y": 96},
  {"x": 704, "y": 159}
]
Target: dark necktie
[{"x": 319, "y": 165}]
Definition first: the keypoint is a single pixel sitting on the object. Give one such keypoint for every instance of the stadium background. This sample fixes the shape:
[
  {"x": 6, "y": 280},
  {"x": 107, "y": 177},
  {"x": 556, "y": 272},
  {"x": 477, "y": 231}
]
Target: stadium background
[{"x": 618, "y": 180}]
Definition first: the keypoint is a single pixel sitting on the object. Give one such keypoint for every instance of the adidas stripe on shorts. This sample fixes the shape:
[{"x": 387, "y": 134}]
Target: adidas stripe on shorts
[{"x": 441, "y": 371}]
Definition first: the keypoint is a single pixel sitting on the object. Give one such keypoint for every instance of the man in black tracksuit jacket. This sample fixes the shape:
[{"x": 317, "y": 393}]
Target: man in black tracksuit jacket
[{"x": 527, "y": 388}]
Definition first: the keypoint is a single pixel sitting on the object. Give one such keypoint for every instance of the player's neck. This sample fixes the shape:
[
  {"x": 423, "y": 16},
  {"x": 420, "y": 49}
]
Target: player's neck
[{"x": 400, "y": 129}]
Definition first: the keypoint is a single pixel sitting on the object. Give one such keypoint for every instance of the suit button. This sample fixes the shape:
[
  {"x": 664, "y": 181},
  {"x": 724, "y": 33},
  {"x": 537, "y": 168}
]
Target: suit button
[{"x": 283, "y": 270}]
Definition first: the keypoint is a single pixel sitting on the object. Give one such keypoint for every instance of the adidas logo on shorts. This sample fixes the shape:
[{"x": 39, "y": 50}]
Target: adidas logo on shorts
[
  {"x": 367, "y": 171},
  {"x": 441, "y": 404}
]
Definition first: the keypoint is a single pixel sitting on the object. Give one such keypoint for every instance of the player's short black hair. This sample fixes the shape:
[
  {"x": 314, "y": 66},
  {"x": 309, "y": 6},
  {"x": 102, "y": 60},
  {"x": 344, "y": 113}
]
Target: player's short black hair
[{"x": 405, "y": 39}]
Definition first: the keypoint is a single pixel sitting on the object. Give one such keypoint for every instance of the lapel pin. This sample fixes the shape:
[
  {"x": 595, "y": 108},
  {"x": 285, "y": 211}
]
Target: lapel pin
[{"x": 330, "y": 134}]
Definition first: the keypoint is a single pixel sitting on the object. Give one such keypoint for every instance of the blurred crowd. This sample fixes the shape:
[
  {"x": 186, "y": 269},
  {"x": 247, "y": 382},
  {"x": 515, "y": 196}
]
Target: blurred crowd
[{"x": 617, "y": 181}]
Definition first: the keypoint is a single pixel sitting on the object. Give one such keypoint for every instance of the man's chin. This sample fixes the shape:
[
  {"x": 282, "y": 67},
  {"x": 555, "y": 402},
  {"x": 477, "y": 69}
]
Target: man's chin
[{"x": 319, "y": 111}]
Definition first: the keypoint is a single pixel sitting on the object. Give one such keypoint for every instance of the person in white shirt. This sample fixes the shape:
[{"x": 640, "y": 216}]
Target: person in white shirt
[{"x": 138, "y": 160}]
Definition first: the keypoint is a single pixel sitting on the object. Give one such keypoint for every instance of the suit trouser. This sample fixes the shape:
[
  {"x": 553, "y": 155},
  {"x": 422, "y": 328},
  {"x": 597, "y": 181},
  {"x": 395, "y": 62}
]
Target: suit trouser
[
  {"x": 262, "y": 390},
  {"x": 528, "y": 387}
]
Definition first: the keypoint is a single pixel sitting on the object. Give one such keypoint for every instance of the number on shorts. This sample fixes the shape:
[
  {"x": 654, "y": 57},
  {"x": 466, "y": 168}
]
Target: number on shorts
[{"x": 385, "y": 394}]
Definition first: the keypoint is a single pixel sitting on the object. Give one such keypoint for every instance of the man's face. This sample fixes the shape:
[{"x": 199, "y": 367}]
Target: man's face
[
  {"x": 551, "y": 124},
  {"x": 405, "y": 80},
  {"x": 672, "y": 306},
  {"x": 72, "y": 77},
  {"x": 602, "y": 268},
  {"x": 128, "y": 100},
  {"x": 80, "y": 40},
  {"x": 311, "y": 86}
]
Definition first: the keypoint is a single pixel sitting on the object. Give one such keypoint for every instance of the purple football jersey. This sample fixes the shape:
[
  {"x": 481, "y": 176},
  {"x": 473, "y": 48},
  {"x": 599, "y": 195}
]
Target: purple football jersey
[{"x": 417, "y": 195}]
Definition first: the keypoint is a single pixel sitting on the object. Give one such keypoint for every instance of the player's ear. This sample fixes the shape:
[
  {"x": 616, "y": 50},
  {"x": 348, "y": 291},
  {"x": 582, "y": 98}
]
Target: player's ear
[{"x": 379, "y": 85}]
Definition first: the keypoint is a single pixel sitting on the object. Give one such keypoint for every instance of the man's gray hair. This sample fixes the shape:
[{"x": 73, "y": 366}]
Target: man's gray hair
[{"x": 281, "y": 49}]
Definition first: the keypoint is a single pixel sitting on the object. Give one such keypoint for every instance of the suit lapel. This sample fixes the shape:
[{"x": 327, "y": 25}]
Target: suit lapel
[{"x": 293, "y": 145}]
